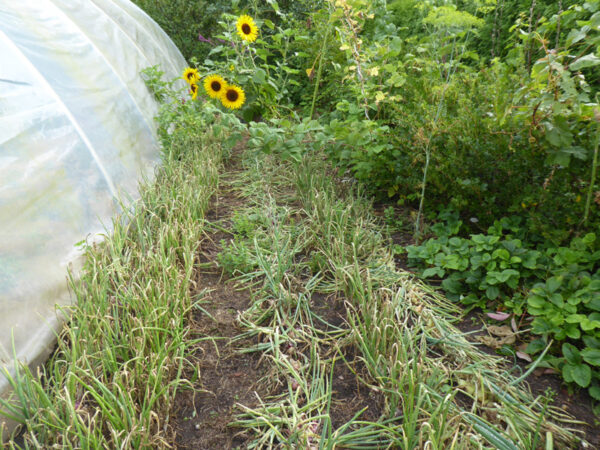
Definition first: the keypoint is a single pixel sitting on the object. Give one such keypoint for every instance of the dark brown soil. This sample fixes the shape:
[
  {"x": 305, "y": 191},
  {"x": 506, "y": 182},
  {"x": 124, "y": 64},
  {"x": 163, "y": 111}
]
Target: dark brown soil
[
  {"x": 225, "y": 377},
  {"x": 329, "y": 308},
  {"x": 349, "y": 397}
]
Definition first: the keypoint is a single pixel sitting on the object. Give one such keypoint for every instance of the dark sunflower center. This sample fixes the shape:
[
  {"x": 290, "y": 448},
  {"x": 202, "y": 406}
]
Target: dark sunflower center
[
  {"x": 246, "y": 29},
  {"x": 216, "y": 86},
  {"x": 190, "y": 75},
  {"x": 232, "y": 95}
]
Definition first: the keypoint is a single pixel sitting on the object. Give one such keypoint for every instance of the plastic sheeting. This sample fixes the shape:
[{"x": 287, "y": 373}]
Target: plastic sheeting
[{"x": 76, "y": 135}]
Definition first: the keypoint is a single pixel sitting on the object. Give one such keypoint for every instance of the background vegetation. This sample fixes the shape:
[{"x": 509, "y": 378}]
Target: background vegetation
[{"x": 482, "y": 115}]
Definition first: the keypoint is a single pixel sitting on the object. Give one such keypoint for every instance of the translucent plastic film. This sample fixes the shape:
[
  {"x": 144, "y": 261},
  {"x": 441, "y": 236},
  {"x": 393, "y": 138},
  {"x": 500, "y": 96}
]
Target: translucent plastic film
[{"x": 76, "y": 135}]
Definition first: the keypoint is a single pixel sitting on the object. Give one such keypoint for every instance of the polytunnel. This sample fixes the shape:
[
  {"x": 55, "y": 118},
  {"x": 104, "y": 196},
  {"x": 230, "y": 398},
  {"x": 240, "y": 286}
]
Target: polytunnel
[{"x": 76, "y": 136}]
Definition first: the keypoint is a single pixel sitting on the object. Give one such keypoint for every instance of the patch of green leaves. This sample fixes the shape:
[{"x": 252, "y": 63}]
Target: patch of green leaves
[{"x": 558, "y": 286}]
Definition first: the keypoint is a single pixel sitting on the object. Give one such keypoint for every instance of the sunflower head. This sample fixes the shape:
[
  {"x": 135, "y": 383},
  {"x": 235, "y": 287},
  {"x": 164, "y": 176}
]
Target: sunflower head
[
  {"x": 233, "y": 97},
  {"x": 194, "y": 91},
  {"x": 246, "y": 28},
  {"x": 214, "y": 85},
  {"x": 191, "y": 75}
]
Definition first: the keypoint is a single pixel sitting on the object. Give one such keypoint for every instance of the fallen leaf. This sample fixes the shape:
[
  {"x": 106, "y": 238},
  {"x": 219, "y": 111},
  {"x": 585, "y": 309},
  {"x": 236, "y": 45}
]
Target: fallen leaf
[
  {"x": 500, "y": 331},
  {"x": 523, "y": 346},
  {"x": 496, "y": 343},
  {"x": 524, "y": 356},
  {"x": 498, "y": 316}
]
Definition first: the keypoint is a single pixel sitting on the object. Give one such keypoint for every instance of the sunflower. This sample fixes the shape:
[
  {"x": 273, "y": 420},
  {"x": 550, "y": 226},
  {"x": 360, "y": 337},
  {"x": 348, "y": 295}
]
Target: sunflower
[
  {"x": 246, "y": 28},
  {"x": 191, "y": 75},
  {"x": 214, "y": 85},
  {"x": 233, "y": 97},
  {"x": 194, "y": 91}
]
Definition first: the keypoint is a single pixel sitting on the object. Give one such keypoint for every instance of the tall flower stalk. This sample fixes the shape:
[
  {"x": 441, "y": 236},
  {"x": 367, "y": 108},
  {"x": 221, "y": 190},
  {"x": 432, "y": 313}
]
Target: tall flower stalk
[
  {"x": 588, "y": 200},
  {"x": 320, "y": 68}
]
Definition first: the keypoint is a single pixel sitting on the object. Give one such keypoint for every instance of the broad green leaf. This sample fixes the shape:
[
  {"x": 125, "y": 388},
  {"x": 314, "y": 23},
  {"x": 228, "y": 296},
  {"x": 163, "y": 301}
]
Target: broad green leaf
[
  {"x": 507, "y": 273},
  {"x": 572, "y": 331},
  {"x": 575, "y": 36},
  {"x": 591, "y": 342},
  {"x": 559, "y": 158},
  {"x": 501, "y": 254},
  {"x": 595, "y": 392},
  {"x": 587, "y": 324},
  {"x": 582, "y": 374},
  {"x": 433, "y": 272},
  {"x": 575, "y": 318},
  {"x": 451, "y": 285},
  {"x": 567, "y": 373},
  {"x": 259, "y": 76},
  {"x": 536, "y": 301},
  {"x": 588, "y": 60},
  {"x": 553, "y": 137},
  {"x": 571, "y": 354},
  {"x": 594, "y": 304},
  {"x": 536, "y": 346},
  {"x": 591, "y": 356},
  {"x": 552, "y": 284},
  {"x": 492, "y": 277},
  {"x": 492, "y": 292},
  {"x": 557, "y": 299}
]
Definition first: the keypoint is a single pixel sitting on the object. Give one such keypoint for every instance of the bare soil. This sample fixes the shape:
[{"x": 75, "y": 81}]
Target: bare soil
[{"x": 224, "y": 377}]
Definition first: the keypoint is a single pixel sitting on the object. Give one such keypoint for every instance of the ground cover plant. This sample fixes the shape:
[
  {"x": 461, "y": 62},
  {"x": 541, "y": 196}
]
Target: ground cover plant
[
  {"x": 559, "y": 287},
  {"x": 479, "y": 117}
]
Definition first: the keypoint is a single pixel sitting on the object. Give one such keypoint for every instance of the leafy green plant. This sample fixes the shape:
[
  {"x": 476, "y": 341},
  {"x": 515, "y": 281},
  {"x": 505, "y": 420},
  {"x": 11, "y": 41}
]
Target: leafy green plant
[
  {"x": 488, "y": 107},
  {"x": 479, "y": 270},
  {"x": 183, "y": 20},
  {"x": 288, "y": 139},
  {"x": 236, "y": 257},
  {"x": 558, "y": 286},
  {"x": 245, "y": 225}
]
